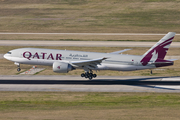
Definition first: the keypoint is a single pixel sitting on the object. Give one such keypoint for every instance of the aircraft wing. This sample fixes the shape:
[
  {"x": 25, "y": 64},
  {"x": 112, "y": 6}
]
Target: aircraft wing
[
  {"x": 88, "y": 63},
  {"x": 117, "y": 52}
]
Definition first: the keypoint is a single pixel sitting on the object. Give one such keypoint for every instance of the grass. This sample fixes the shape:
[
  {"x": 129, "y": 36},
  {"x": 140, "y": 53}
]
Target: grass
[
  {"x": 132, "y": 16},
  {"x": 92, "y": 16},
  {"x": 8, "y": 68},
  {"x": 70, "y": 105}
]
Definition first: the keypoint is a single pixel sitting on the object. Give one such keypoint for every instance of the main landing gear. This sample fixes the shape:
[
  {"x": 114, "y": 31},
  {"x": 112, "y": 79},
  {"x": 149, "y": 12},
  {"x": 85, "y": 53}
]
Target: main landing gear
[{"x": 88, "y": 75}]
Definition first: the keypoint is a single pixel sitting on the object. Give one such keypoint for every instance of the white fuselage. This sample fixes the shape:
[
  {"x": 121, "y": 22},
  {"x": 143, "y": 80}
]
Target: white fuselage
[{"x": 36, "y": 56}]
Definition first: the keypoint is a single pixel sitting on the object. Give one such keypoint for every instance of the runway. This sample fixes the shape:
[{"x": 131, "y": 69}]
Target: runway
[
  {"x": 99, "y": 84},
  {"x": 80, "y": 43}
]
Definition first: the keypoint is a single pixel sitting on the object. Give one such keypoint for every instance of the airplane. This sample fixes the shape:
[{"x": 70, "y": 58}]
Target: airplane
[{"x": 63, "y": 61}]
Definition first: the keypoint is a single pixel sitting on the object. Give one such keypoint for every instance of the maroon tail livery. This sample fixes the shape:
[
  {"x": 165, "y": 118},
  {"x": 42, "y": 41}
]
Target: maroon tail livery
[{"x": 155, "y": 55}]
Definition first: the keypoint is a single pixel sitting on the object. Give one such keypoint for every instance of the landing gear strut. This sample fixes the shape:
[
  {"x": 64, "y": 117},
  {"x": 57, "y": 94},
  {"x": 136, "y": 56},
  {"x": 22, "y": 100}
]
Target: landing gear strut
[
  {"x": 151, "y": 72},
  {"x": 88, "y": 75}
]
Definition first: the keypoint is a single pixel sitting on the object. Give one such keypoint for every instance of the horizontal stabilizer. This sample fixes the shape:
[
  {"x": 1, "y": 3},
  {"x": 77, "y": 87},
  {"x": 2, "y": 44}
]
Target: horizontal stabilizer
[
  {"x": 172, "y": 59},
  {"x": 154, "y": 63},
  {"x": 161, "y": 63}
]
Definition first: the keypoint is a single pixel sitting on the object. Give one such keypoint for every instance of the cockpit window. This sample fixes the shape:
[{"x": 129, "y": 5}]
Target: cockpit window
[{"x": 8, "y": 52}]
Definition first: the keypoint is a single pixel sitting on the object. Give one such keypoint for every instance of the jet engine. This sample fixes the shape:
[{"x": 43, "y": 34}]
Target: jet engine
[{"x": 62, "y": 67}]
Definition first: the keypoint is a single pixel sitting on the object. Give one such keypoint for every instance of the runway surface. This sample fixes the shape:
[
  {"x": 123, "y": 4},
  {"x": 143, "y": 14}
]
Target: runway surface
[
  {"x": 80, "y": 43},
  {"x": 100, "y": 84}
]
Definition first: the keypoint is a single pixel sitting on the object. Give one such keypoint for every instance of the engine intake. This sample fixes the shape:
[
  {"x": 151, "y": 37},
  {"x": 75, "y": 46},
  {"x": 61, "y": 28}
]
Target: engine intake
[{"x": 62, "y": 67}]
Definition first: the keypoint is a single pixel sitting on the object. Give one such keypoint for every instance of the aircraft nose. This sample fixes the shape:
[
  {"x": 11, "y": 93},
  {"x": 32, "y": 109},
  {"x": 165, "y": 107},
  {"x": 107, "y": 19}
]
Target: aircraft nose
[{"x": 6, "y": 56}]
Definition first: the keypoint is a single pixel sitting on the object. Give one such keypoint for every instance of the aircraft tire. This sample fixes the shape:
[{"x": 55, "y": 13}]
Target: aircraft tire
[
  {"x": 82, "y": 75},
  {"x": 90, "y": 77},
  {"x": 94, "y": 75},
  {"x": 19, "y": 69},
  {"x": 86, "y": 76}
]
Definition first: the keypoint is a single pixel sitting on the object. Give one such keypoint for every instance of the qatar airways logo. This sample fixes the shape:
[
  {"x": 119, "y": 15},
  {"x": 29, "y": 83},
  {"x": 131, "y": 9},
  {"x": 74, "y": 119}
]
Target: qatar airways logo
[
  {"x": 59, "y": 67},
  {"x": 28, "y": 55}
]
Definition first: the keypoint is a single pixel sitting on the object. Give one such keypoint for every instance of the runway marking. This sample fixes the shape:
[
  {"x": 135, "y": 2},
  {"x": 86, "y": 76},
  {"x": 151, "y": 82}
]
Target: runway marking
[
  {"x": 32, "y": 71},
  {"x": 168, "y": 87},
  {"x": 171, "y": 79}
]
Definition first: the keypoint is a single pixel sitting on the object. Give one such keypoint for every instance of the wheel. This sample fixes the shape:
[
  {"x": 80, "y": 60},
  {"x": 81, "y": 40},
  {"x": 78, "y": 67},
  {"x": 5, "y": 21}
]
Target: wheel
[
  {"x": 82, "y": 75},
  {"x": 19, "y": 69},
  {"x": 86, "y": 75},
  {"x": 94, "y": 75},
  {"x": 90, "y": 74},
  {"x": 90, "y": 77}
]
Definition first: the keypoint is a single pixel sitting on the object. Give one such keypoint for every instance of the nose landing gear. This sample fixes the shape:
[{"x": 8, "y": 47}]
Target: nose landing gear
[
  {"x": 19, "y": 69},
  {"x": 18, "y": 65},
  {"x": 88, "y": 75}
]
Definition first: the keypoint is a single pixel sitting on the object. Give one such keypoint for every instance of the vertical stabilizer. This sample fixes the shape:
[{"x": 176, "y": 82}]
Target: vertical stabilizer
[{"x": 159, "y": 50}]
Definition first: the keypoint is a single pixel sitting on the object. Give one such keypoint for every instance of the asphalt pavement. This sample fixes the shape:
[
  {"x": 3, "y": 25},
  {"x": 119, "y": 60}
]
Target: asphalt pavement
[{"x": 99, "y": 84}]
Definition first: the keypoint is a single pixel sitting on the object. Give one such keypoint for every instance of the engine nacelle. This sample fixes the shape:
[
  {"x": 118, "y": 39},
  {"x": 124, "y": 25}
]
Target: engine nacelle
[{"x": 62, "y": 67}]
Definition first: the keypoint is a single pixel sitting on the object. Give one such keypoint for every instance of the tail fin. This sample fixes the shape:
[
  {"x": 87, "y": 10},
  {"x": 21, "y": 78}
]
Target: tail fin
[{"x": 159, "y": 50}]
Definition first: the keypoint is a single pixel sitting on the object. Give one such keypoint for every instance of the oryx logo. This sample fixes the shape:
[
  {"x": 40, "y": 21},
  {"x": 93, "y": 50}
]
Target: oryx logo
[
  {"x": 154, "y": 56},
  {"x": 58, "y": 67},
  {"x": 151, "y": 56}
]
